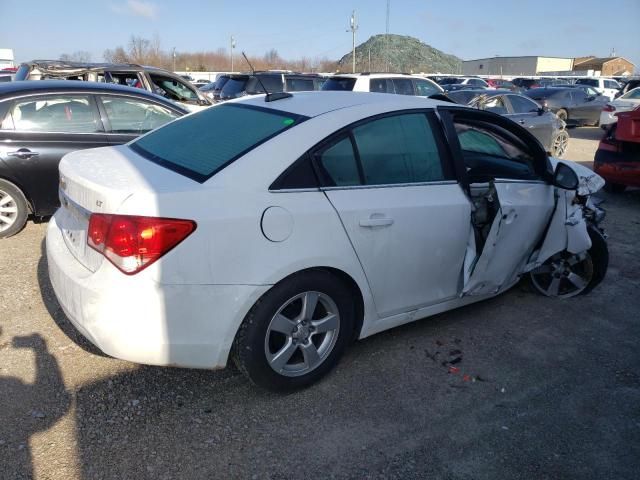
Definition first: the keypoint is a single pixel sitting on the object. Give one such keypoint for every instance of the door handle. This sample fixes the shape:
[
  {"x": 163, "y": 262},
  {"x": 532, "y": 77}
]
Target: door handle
[
  {"x": 23, "y": 153},
  {"x": 376, "y": 220},
  {"x": 521, "y": 122}
]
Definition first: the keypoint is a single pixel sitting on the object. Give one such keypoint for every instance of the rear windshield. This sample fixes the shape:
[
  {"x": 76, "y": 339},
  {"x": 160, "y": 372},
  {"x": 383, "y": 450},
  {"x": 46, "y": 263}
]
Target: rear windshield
[
  {"x": 202, "y": 144},
  {"x": 339, "y": 84},
  {"x": 273, "y": 83}
]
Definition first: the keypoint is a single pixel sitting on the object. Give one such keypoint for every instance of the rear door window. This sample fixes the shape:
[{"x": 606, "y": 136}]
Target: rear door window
[
  {"x": 403, "y": 86},
  {"x": 495, "y": 105},
  {"x": 133, "y": 115},
  {"x": 381, "y": 85},
  {"x": 398, "y": 149},
  {"x": 55, "y": 113},
  {"x": 191, "y": 147}
]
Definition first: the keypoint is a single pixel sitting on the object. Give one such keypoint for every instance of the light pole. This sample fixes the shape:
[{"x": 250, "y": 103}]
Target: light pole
[
  {"x": 174, "y": 59},
  {"x": 353, "y": 26},
  {"x": 232, "y": 44}
]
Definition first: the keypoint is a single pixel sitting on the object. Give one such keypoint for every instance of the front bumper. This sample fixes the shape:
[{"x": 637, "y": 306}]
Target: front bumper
[{"x": 137, "y": 319}]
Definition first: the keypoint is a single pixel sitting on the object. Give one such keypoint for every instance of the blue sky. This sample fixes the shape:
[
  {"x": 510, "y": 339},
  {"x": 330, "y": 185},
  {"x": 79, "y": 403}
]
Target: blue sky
[{"x": 468, "y": 29}]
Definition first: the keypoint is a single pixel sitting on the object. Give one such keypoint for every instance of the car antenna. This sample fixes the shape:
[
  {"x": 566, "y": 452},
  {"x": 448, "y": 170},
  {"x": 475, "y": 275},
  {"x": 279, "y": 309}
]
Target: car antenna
[{"x": 270, "y": 97}]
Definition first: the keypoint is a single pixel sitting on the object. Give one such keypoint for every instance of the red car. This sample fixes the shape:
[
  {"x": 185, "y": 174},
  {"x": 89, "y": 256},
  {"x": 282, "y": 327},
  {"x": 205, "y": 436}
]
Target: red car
[{"x": 617, "y": 159}]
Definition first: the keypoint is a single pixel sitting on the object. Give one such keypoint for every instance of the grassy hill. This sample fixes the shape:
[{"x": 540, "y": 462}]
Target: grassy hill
[{"x": 405, "y": 54}]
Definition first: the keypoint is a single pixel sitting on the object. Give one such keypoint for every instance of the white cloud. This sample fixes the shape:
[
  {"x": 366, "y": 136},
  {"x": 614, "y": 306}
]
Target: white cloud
[{"x": 138, "y": 8}]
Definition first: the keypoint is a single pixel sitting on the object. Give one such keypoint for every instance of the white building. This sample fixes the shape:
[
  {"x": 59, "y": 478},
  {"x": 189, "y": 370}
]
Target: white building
[
  {"x": 525, "y": 66},
  {"x": 6, "y": 58}
]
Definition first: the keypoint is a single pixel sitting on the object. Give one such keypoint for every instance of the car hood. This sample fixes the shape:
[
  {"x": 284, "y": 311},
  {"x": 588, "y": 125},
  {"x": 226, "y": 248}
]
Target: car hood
[{"x": 589, "y": 181}]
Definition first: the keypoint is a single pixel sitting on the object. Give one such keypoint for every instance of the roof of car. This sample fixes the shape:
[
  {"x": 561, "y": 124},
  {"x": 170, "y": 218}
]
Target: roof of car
[
  {"x": 312, "y": 104},
  {"x": 10, "y": 89},
  {"x": 371, "y": 75}
]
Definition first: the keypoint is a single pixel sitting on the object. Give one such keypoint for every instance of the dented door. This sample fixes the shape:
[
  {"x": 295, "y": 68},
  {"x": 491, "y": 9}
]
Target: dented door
[{"x": 525, "y": 209}]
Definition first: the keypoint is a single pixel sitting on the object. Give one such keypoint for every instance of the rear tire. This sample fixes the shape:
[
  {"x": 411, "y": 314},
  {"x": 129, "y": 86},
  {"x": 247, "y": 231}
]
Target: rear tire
[
  {"x": 614, "y": 187},
  {"x": 14, "y": 209},
  {"x": 296, "y": 333}
]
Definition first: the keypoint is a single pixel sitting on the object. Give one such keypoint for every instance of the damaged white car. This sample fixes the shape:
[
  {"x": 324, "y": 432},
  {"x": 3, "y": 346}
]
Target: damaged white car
[{"x": 275, "y": 230}]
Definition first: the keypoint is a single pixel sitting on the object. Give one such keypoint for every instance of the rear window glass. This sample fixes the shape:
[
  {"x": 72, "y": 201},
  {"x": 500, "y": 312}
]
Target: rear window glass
[
  {"x": 339, "y": 84},
  {"x": 233, "y": 87},
  {"x": 202, "y": 144}
]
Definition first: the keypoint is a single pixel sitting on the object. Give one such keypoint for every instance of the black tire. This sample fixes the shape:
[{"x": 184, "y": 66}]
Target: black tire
[
  {"x": 599, "y": 252},
  {"x": 614, "y": 187},
  {"x": 17, "y": 202},
  {"x": 250, "y": 345}
]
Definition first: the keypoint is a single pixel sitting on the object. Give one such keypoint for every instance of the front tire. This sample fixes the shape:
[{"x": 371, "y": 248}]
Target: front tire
[
  {"x": 14, "y": 209},
  {"x": 296, "y": 333},
  {"x": 566, "y": 275}
]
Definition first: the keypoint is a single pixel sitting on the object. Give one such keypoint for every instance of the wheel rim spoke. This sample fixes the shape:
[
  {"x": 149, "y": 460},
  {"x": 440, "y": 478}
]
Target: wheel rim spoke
[
  {"x": 326, "y": 324},
  {"x": 574, "y": 260},
  {"x": 6, "y": 220},
  {"x": 554, "y": 286},
  {"x": 311, "y": 355},
  {"x": 309, "y": 304},
  {"x": 280, "y": 359},
  {"x": 5, "y": 200},
  {"x": 8, "y": 210},
  {"x": 282, "y": 324},
  {"x": 577, "y": 281}
]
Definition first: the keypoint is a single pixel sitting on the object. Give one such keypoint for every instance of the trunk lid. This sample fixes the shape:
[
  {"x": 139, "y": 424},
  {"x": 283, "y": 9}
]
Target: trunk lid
[{"x": 100, "y": 180}]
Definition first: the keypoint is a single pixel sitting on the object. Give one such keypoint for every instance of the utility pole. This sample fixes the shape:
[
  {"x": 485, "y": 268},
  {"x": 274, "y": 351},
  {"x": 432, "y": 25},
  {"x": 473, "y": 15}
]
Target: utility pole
[
  {"x": 353, "y": 26},
  {"x": 386, "y": 38},
  {"x": 174, "y": 59},
  {"x": 232, "y": 45}
]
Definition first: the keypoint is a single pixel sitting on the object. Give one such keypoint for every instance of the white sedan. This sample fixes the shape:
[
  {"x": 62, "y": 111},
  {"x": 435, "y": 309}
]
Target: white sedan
[
  {"x": 276, "y": 230},
  {"x": 626, "y": 102}
]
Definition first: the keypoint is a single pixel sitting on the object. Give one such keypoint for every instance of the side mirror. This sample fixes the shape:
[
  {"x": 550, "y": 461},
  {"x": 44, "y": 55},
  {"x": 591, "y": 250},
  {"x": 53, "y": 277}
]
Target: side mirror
[
  {"x": 591, "y": 98},
  {"x": 543, "y": 110},
  {"x": 564, "y": 177}
]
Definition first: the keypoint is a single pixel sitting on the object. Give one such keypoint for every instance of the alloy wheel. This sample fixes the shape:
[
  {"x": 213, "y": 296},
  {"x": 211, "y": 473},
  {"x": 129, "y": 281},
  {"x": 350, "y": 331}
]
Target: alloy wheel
[
  {"x": 560, "y": 144},
  {"x": 302, "y": 334},
  {"x": 564, "y": 275},
  {"x": 8, "y": 211}
]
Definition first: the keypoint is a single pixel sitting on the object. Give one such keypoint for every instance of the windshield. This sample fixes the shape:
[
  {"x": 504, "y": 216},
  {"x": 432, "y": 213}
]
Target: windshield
[
  {"x": 337, "y": 83},
  {"x": 193, "y": 148}
]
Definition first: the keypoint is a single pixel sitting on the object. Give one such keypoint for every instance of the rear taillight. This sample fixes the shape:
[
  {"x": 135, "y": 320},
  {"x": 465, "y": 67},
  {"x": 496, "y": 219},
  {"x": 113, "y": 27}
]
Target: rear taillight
[
  {"x": 608, "y": 108},
  {"x": 133, "y": 243}
]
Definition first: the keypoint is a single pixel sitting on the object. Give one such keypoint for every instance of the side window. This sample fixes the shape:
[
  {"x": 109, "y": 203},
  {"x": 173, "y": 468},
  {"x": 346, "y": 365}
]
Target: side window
[
  {"x": 398, "y": 149},
  {"x": 522, "y": 105},
  {"x": 489, "y": 154},
  {"x": 381, "y": 85},
  {"x": 476, "y": 82},
  {"x": 403, "y": 86},
  {"x": 173, "y": 89},
  {"x": 610, "y": 84},
  {"x": 424, "y": 88},
  {"x": 129, "y": 79},
  {"x": 132, "y": 115},
  {"x": 55, "y": 113},
  {"x": 339, "y": 165},
  {"x": 495, "y": 105}
]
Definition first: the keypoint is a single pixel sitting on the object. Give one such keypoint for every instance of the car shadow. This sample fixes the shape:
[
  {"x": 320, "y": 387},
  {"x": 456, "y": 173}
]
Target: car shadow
[
  {"x": 29, "y": 408},
  {"x": 586, "y": 133}
]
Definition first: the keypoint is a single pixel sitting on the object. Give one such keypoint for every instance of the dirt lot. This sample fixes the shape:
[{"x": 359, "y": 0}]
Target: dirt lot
[{"x": 556, "y": 392}]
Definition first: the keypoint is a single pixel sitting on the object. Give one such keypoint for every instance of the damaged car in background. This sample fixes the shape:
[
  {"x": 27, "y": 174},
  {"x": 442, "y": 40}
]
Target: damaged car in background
[
  {"x": 327, "y": 217},
  {"x": 153, "y": 79}
]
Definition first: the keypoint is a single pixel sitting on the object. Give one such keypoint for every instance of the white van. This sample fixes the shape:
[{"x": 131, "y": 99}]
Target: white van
[{"x": 605, "y": 86}]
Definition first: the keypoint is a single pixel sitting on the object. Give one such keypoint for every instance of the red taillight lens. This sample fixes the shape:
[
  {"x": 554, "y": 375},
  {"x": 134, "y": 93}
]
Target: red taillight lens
[
  {"x": 608, "y": 108},
  {"x": 133, "y": 243}
]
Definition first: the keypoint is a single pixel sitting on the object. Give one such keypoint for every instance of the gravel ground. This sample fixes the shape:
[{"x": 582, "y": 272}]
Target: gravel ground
[{"x": 545, "y": 389}]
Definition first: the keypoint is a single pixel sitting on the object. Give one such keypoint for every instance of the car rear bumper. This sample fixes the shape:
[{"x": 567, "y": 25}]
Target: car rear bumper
[
  {"x": 136, "y": 319},
  {"x": 607, "y": 118}
]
